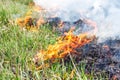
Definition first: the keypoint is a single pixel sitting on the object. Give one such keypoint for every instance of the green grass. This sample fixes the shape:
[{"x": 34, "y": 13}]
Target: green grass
[{"x": 17, "y": 48}]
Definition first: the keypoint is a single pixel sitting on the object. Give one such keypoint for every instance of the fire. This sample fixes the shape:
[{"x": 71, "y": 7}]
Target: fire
[
  {"x": 65, "y": 45},
  {"x": 28, "y": 22}
]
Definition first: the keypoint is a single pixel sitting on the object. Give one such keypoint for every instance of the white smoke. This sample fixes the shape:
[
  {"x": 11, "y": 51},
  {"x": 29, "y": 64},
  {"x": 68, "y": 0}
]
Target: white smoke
[
  {"x": 106, "y": 13},
  {"x": 67, "y": 10}
]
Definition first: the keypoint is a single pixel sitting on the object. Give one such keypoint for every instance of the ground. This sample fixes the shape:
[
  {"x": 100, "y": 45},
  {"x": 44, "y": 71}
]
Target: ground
[{"x": 17, "y": 48}]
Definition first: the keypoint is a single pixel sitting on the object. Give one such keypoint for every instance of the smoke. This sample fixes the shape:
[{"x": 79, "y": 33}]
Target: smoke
[
  {"x": 105, "y": 13},
  {"x": 67, "y": 10}
]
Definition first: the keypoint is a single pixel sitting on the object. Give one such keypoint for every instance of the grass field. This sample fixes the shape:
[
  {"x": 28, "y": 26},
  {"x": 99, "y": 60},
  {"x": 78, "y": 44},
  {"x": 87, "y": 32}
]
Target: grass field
[{"x": 17, "y": 48}]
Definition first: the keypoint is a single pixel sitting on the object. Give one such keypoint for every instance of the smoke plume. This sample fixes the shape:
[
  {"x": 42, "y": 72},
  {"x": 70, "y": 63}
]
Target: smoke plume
[{"x": 105, "y": 13}]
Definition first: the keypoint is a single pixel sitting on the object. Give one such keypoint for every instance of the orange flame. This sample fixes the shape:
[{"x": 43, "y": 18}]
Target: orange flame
[
  {"x": 30, "y": 23},
  {"x": 65, "y": 45}
]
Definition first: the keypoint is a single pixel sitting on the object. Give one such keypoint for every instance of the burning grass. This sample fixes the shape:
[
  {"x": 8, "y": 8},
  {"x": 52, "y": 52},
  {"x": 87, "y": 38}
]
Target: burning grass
[
  {"x": 29, "y": 21},
  {"x": 65, "y": 45},
  {"x": 17, "y": 48}
]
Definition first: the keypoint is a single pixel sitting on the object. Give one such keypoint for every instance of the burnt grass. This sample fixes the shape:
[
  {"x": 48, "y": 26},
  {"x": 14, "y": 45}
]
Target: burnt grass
[
  {"x": 98, "y": 58},
  {"x": 17, "y": 47}
]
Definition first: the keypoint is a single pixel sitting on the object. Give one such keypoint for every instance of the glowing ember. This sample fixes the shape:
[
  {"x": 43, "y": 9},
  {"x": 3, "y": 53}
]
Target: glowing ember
[{"x": 65, "y": 45}]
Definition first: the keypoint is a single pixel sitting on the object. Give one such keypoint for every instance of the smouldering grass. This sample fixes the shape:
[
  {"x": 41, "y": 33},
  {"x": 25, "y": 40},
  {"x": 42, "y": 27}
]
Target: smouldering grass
[{"x": 17, "y": 48}]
